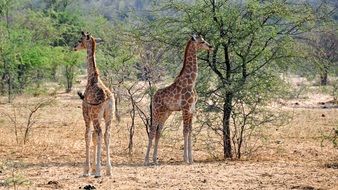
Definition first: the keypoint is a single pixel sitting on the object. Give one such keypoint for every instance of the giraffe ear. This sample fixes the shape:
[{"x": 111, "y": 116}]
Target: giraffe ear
[
  {"x": 193, "y": 37},
  {"x": 99, "y": 40}
]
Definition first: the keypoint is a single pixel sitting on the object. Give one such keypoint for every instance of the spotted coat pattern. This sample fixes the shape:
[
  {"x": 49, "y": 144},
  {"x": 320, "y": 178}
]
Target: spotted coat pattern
[
  {"x": 179, "y": 96},
  {"x": 98, "y": 103}
]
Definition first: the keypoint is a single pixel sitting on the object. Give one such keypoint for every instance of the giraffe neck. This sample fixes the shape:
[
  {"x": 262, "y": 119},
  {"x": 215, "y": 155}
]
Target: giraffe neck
[
  {"x": 190, "y": 67},
  {"x": 92, "y": 71}
]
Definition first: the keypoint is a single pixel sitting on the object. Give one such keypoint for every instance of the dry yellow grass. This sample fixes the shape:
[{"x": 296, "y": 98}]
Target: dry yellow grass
[{"x": 290, "y": 158}]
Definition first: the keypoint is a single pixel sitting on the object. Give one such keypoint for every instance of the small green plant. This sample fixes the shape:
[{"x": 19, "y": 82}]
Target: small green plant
[
  {"x": 335, "y": 89},
  {"x": 16, "y": 179},
  {"x": 297, "y": 92},
  {"x": 331, "y": 137},
  {"x": 36, "y": 91}
]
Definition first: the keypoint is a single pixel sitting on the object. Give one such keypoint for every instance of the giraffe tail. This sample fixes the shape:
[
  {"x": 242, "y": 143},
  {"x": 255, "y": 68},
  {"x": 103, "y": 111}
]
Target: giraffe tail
[{"x": 80, "y": 95}]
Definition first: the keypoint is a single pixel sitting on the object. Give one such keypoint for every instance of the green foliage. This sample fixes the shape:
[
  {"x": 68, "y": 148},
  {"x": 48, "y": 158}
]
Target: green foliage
[
  {"x": 253, "y": 41},
  {"x": 71, "y": 61},
  {"x": 331, "y": 137},
  {"x": 34, "y": 45},
  {"x": 16, "y": 179},
  {"x": 69, "y": 25}
]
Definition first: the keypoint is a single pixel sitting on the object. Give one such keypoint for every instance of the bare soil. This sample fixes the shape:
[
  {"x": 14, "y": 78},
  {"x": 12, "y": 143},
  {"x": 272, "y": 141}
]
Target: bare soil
[{"x": 293, "y": 156}]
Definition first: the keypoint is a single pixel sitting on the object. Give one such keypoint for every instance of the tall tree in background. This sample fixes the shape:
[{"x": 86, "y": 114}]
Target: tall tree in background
[
  {"x": 6, "y": 78},
  {"x": 322, "y": 42},
  {"x": 325, "y": 53},
  {"x": 24, "y": 51},
  {"x": 69, "y": 24},
  {"x": 250, "y": 39}
]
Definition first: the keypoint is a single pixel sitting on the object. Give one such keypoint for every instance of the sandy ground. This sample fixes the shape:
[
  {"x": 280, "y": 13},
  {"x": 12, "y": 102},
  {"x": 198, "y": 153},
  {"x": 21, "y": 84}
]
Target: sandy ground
[
  {"x": 290, "y": 157},
  {"x": 214, "y": 175}
]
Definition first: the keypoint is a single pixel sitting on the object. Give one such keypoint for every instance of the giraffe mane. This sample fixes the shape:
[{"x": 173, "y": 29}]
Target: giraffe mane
[
  {"x": 185, "y": 56},
  {"x": 93, "y": 45},
  {"x": 94, "y": 49}
]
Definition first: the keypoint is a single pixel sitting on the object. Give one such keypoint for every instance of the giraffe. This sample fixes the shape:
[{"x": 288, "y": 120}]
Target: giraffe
[
  {"x": 179, "y": 96},
  {"x": 98, "y": 103}
]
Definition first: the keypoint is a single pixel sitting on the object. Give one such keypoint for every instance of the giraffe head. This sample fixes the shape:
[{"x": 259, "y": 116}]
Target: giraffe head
[
  {"x": 85, "y": 41},
  {"x": 200, "y": 43}
]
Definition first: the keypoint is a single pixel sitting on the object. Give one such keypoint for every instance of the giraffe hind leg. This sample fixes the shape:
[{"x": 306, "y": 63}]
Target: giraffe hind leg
[
  {"x": 159, "y": 128},
  {"x": 150, "y": 142},
  {"x": 157, "y": 138},
  {"x": 108, "y": 118},
  {"x": 94, "y": 139},
  {"x": 190, "y": 157},
  {"x": 187, "y": 127},
  {"x": 88, "y": 137},
  {"x": 185, "y": 150},
  {"x": 98, "y": 130}
]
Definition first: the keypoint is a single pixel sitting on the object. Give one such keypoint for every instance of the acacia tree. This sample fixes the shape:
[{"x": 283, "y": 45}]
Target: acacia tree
[
  {"x": 325, "y": 53},
  {"x": 251, "y": 39},
  {"x": 322, "y": 42},
  {"x": 24, "y": 51},
  {"x": 116, "y": 57},
  {"x": 7, "y": 48}
]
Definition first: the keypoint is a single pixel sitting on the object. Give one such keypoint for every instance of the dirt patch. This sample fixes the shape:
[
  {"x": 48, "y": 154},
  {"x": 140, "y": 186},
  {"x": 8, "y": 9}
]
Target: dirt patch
[
  {"x": 288, "y": 157},
  {"x": 332, "y": 165}
]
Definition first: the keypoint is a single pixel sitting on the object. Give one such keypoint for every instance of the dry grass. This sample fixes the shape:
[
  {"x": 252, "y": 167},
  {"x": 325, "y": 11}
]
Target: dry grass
[{"x": 291, "y": 157}]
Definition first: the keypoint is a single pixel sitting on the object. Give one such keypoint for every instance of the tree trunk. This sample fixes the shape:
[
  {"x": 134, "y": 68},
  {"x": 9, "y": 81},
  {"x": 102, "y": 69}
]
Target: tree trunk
[
  {"x": 323, "y": 76},
  {"x": 53, "y": 73},
  {"x": 21, "y": 77},
  {"x": 69, "y": 78},
  {"x": 132, "y": 127},
  {"x": 2, "y": 85},
  {"x": 69, "y": 85},
  {"x": 9, "y": 83},
  {"x": 117, "y": 98},
  {"x": 227, "y": 106}
]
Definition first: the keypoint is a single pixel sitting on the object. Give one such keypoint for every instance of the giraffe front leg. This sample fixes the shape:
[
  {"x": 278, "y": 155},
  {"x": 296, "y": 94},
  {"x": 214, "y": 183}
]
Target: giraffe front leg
[
  {"x": 94, "y": 139},
  {"x": 185, "y": 151},
  {"x": 98, "y": 130},
  {"x": 187, "y": 119},
  {"x": 88, "y": 137},
  {"x": 190, "y": 157},
  {"x": 108, "y": 113},
  {"x": 157, "y": 139},
  {"x": 107, "y": 143},
  {"x": 150, "y": 142}
]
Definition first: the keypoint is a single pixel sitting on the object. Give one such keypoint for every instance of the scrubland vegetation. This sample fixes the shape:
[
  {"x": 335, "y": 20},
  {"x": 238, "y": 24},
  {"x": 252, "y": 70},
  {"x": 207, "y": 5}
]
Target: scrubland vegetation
[{"x": 266, "y": 117}]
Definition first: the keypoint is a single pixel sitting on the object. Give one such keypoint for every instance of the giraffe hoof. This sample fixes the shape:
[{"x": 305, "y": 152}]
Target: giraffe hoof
[
  {"x": 97, "y": 176},
  {"x": 109, "y": 172},
  {"x": 156, "y": 163}
]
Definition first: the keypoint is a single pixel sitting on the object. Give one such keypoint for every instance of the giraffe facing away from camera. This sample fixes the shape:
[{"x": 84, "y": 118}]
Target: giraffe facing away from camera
[
  {"x": 179, "y": 96},
  {"x": 98, "y": 103}
]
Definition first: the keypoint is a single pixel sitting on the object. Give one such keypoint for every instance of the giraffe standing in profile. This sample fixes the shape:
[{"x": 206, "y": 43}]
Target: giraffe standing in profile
[
  {"x": 98, "y": 103},
  {"x": 179, "y": 96}
]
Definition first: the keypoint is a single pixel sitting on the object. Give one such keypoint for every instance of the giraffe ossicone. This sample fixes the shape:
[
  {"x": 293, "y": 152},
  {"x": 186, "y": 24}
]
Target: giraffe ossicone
[{"x": 179, "y": 96}]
